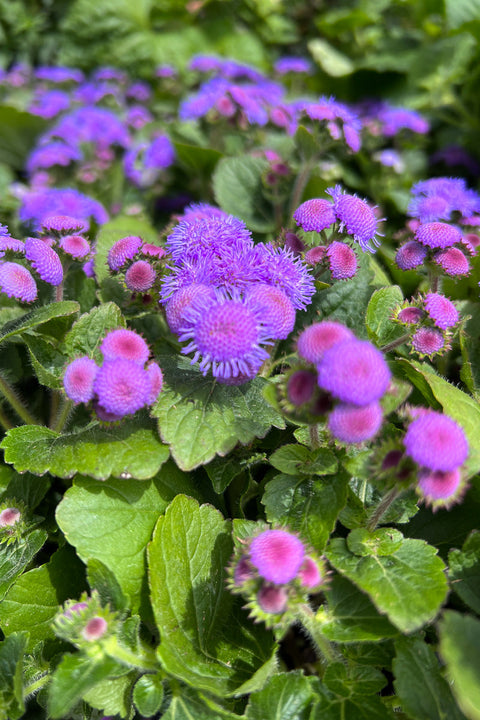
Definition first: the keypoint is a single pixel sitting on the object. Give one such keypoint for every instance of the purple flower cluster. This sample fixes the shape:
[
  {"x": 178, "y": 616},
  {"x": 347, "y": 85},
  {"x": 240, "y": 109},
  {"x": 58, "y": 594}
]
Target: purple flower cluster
[
  {"x": 431, "y": 319},
  {"x": 125, "y": 382},
  {"x": 438, "y": 445},
  {"x": 41, "y": 203},
  {"x": 128, "y": 255},
  {"x": 274, "y": 572},
  {"x": 143, "y": 163},
  {"x": 340, "y": 120},
  {"x": 352, "y": 376},
  {"x": 443, "y": 198}
]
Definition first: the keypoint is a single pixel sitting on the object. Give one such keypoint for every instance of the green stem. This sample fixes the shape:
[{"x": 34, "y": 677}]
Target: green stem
[
  {"x": 395, "y": 343},
  {"x": 35, "y": 686},
  {"x": 382, "y": 508},
  {"x": 326, "y": 649},
  {"x": 9, "y": 393},
  {"x": 314, "y": 439},
  {"x": 299, "y": 186},
  {"x": 145, "y": 660},
  {"x": 60, "y": 418},
  {"x": 5, "y": 421}
]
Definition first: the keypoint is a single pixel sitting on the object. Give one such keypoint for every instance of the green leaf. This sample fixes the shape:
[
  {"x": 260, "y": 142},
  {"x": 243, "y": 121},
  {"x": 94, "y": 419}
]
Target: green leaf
[
  {"x": 32, "y": 603},
  {"x": 113, "y": 522},
  {"x": 222, "y": 471},
  {"x": 409, "y": 585},
  {"x": 12, "y": 651},
  {"x": 310, "y": 507},
  {"x": 112, "y": 696},
  {"x": 333, "y": 62},
  {"x": 41, "y": 318},
  {"x": 307, "y": 144},
  {"x": 73, "y": 677},
  {"x": 331, "y": 706},
  {"x": 298, "y": 459},
  {"x": 203, "y": 642},
  {"x": 18, "y": 133},
  {"x": 287, "y": 696},
  {"x": 459, "y": 12},
  {"x": 200, "y": 160},
  {"x": 358, "y": 680},
  {"x": 130, "y": 450},
  {"x": 90, "y": 329},
  {"x": 380, "y": 326},
  {"x": 48, "y": 362},
  {"x": 148, "y": 695},
  {"x": 460, "y": 649},
  {"x": 188, "y": 704},
  {"x": 26, "y": 488},
  {"x": 117, "y": 229},
  {"x": 102, "y": 579},
  {"x": 349, "y": 616},
  {"x": 200, "y": 418},
  {"x": 16, "y": 556},
  {"x": 237, "y": 184},
  {"x": 464, "y": 571},
  {"x": 454, "y": 402},
  {"x": 421, "y": 688},
  {"x": 381, "y": 542}
]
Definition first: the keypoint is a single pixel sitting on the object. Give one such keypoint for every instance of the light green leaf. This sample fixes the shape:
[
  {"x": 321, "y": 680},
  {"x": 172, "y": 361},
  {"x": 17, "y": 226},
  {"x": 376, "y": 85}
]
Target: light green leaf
[
  {"x": 204, "y": 643},
  {"x": 459, "y": 12},
  {"x": 200, "y": 418},
  {"x": 113, "y": 522},
  {"x": 90, "y": 329},
  {"x": 409, "y": 585},
  {"x": 460, "y": 649},
  {"x": 16, "y": 556},
  {"x": 32, "y": 603},
  {"x": 421, "y": 688},
  {"x": 112, "y": 696},
  {"x": 188, "y": 704},
  {"x": 287, "y": 696},
  {"x": 464, "y": 571},
  {"x": 298, "y": 459},
  {"x": 349, "y": 616},
  {"x": 331, "y": 60},
  {"x": 148, "y": 695},
  {"x": 380, "y": 326},
  {"x": 40, "y": 318},
  {"x": 237, "y": 184},
  {"x": 130, "y": 450}
]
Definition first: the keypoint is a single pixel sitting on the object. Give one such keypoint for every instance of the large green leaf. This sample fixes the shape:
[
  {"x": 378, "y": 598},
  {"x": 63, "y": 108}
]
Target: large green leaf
[
  {"x": 44, "y": 317},
  {"x": 421, "y": 688},
  {"x": 380, "y": 326},
  {"x": 47, "y": 361},
  {"x": 88, "y": 332},
  {"x": 237, "y": 184},
  {"x": 287, "y": 696},
  {"x": 300, "y": 460},
  {"x": 113, "y": 522},
  {"x": 32, "y": 603},
  {"x": 200, "y": 160},
  {"x": 460, "y": 649},
  {"x": 16, "y": 556},
  {"x": 351, "y": 704},
  {"x": 408, "y": 584},
  {"x": 200, "y": 418},
  {"x": 464, "y": 571},
  {"x": 131, "y": 450},
  {"x": 18, "y": 132},
  {"x": 205, "y": 641},
  {"x": 459, "y": 12}
]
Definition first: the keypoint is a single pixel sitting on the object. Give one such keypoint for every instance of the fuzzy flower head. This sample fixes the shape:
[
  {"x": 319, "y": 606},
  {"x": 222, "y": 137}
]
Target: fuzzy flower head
[
  {"x": 126, "y": 345},
  {"x": 354, "y": 371},
  {"x": 453, "y": 261},
  {"x": 410, "y": 255},
  {"x": 428, "y": 341},
  {"x": 356, "y": 217},
  {"x": 63, "y": 225},
  {"x": 277, "y": 309},
  {"x": 16, "y": 281},
  {"x": 44, "y": 260},
  {"x": 300, "y": 387},
  {"x": 277, "y": 555},
  {"x": 339, "y": 120},
  {"x": 440, "y": 489},
  {"x": 122, "y": 386},
  {"x": 140, "y": 276},
  {"x": 315, "y": 339},
  {"x": 181, "y": 300},
  {"x": 123, "y": 250},
  {"x": 39, "y": 204},
  {"x": 212, "y": 236},
  {"x": 315, "y": 215},
  {"x": 225, "y": 334},
  {"x": 155, "y": 375},
  {"x": 342, "y": 260},
  {"x": 441, "y": 310},
  {"x": 280, "y": 267},
  {"x": 75, "y": 245},
  {"x": 353, "y": 424},
  {"x": 438, "y": 235},
  {"x": 435, "y": 441},
  {"x": 78, "y": 379}
]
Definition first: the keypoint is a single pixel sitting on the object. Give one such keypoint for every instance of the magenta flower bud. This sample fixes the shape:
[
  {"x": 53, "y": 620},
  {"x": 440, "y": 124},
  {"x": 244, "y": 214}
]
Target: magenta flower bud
[
  {"x": 301, "y": 387},
  {"x": 410, "y": 315},
  {"x": 315, "y": 255},
  {"x": 315, "y": 339},
  {"x": 9, "y": 517},
  {"x": 441, "y": 310},
  {"x": 243, "y": 572},
  {"x": 438, "y": 235},
  {"x": 16, "y": 281},
  {"x": 123, "y": 250},
  {"x": 78, "y": 379},
  {"x": 293, "y": 243},
  {"x": 275, "y": 310},
  {"x": 354, "y": 371},
  {"x": 152, "y": 250},
  {"x": 410, "y": 255},
  {"x": 75, "y": 245},
  {"x": 436, "y": 441},
  {"x": 342, "y": 261},
  {"x": 125, "y": 344},
  {"x": 64, "y": 224},
  {"x": 315, "y": 215},
  {"x": 356, "y": 217},
  {"x": 453, "y": 261},
  {"x": 122, "y": 386},
  {"x": 353, "y": 424},
  {"x": 471, "y": 241},
  {"x": 309, "y": 574},
  {"x": 277, "y": 555},
  {"x": 392, "y": 459},
  {"x": 75, "y": 608},
  {"x": 427, "y": 341},
  {"x": 44, "y": 260},
  {"x": 9, "y": 243},
  {"x": 95, "y": 628},
  {"x": 272, "y": 600},
  {"x": 435, "y": 485},
  {"x": 155, "y": 375},
  {"x": 140, "y": 276}
]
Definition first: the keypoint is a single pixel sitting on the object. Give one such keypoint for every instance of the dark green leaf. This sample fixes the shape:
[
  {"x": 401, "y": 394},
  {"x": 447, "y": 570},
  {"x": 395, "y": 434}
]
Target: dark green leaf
[
  {"x": 148, "y": 695},
  {"x": 409, "y": 585},
  {"x": 130, "y": 450},
  {"x": 188, "y": 704},
  {"x": 102, "y": 579},
  {"x": 298, "y": 459},
  {"x": 197, "y": 159},
  {"x": 460, "y": 649},
  {"x": 16, "y": 556},
  {"x": 112, "y": 696},
  {"x": 200, "y": 418},
  {"x": 422, "y": 690},
  {"x": 39, "y": 318},
  {"x": 358, "y": 680},
  {"x": 204, "y": 643},
  {"x": 464, "y": 571},
  {"x": 331, "y": 706},
  {"x": 286, "y": 696},
  {"x": 308, "y": 146},
  {"x": 47, "y": 362},
  {"x": 237, "y": 184},
  {"x": 12, "y": 650},
  {"x": 18, "y": 133}
]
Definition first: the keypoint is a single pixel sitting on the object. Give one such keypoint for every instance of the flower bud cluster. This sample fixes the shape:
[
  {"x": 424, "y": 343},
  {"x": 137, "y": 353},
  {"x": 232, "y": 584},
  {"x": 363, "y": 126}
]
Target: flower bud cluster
[
  {"x": 431, "y": 318},
  {"x": 345, "y": 379},
  {"x": 85, "y": 622},
  {"x": 275, "y": 572},
  {"x": 12, "y": 521},
  {"x": 137, "y": 260},
  {"x": 439, "y": 244},
  {"x": 125, "y": 382}
]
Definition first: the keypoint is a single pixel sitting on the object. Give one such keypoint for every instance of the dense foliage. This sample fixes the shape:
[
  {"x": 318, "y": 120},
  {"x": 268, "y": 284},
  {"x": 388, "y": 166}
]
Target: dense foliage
[{"x": 239, "y": 343}]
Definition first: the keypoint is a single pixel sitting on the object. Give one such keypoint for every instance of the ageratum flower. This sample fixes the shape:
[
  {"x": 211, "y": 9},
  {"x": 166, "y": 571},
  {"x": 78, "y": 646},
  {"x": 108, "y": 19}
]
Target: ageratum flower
[
  {"x": 315, "y": 214},
  {"x": 277, "y": 310},
  {"x": 282, "y": 268},
  {"x": 436, "y": 441},
  {"x": 49, "y": 103},
  {"x": 78, "y": 379},
  {"x": 140, "y": 276},
  {"x": 353, "y": 424},
  {"x": 452, "y": 261},
  {"x": 42, "y": 203},
  {"x": 438, "y": 235},
  {"x": 356, "y": 217},
  {"x": 122, "y": 386},
  {"x": 126, "y": 345},
  {"x": 441, "y": 310},
  {"x": 286, "y": 65},
  {"x": 428, "y": 341},
  {"x": 181, "y": 300},
  {"x": 51, "y": 154},
  {"x": 341, "y": 260},
  {"x": 75, "y": 245},
  {"x": 191, "y": 240},
  {"x": 16, "y": 281},
  {"x": 277, "y": 555},
  {"x": 315, "y": 339},
  {"x": 122, "y": 250},
  {"x": 410, "y": 255},
  {"x": 44, "y": 260},
  {"x": 339, "y": 119}
]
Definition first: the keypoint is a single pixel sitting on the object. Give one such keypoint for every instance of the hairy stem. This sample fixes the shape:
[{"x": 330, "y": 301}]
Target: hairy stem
[
  {"x": 10, "y": 395},
  {"x": 395, "y": 343},
  {"x": 5, "y": 421},
  {"x": 64, "y": 409},
  {"x": 382, "y": 508},
  {"x": 314, "y": 439},
  {"x": 325, "y": 648}
]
